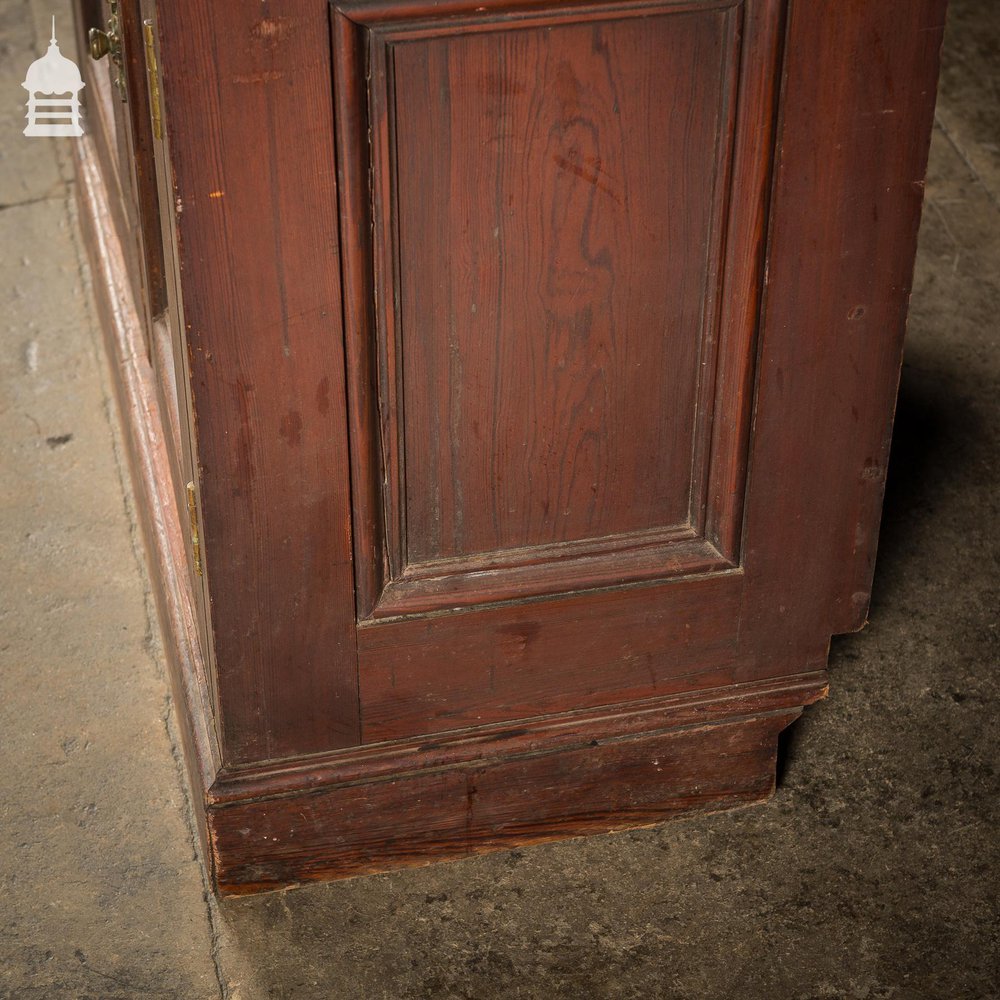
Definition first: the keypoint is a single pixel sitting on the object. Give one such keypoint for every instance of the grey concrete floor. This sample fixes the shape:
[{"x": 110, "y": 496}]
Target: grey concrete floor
[{"x": 872, "y": 874}]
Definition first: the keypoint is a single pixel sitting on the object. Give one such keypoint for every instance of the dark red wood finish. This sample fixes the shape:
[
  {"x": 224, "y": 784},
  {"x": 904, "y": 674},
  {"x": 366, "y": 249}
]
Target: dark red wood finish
[
  {"x": 620, "y": 288},
  {"x": 581, "y": 282}
]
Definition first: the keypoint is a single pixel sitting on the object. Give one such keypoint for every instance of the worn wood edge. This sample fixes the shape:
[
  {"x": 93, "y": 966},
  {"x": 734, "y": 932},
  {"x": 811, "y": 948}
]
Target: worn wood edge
[
  {"x": 477, "y": 807},
  {"x": 149, "y": 465},
  {"x": 593, "y": 826},
  {"x": 416, "y": 595}
]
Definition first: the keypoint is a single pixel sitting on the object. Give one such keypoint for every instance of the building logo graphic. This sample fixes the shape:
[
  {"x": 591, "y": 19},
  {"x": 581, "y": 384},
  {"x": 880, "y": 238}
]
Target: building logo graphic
[{"x": 53, "y": 84}]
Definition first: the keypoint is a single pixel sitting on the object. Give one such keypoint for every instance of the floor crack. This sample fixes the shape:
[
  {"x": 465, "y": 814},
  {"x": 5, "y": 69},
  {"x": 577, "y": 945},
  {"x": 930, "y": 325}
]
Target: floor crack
[{"x": 58, "y": 193}]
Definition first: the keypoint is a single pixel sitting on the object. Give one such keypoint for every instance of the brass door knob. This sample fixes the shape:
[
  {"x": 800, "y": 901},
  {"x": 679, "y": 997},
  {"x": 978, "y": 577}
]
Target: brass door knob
[
  {"x": 101, "y": 43},
  {"x": 109, "y": 43}
]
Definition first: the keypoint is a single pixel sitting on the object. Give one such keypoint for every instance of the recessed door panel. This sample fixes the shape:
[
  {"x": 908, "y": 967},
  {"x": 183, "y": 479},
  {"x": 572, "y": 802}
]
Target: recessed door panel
[
  {"x": 551, "y": 273},
  {"x": 549, "y": 351}
]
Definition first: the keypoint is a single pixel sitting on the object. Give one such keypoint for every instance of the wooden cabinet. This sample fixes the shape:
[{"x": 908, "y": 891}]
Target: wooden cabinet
[{"x": 532, "y": 367}]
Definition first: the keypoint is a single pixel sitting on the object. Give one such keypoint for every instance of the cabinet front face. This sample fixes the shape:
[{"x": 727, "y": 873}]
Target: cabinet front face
[{"x": 552, "y": 236}]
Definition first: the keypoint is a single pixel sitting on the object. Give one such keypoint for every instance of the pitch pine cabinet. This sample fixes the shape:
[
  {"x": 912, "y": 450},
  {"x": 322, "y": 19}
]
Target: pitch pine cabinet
[{"x": 509, "y": 387}]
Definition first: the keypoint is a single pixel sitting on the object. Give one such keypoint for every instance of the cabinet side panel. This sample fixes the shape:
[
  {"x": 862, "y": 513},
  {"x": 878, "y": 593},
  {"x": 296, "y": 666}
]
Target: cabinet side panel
[
  {"x": 857, "y": 108},
  {"x": 249, "y": 116}
]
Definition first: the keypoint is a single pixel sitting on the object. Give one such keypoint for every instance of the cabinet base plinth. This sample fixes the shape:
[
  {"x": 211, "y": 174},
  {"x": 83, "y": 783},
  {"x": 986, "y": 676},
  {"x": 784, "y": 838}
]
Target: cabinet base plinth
[{"x": 414, "y": 807}]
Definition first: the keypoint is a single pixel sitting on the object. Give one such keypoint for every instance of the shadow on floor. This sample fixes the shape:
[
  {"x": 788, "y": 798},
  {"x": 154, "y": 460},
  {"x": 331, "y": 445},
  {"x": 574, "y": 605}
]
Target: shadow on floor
[
  {"x": 934, "y": 433},
  {"x": 934, "y": 438}
]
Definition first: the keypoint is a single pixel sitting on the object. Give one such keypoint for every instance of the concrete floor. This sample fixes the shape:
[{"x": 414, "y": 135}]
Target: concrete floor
[{"x": 872, "y": 874}]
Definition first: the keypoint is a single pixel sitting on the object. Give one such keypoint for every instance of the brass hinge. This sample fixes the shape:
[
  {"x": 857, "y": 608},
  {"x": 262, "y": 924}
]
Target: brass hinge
[
  {"x": 153, "y": 72},
  {"x": 193, "y": 518}
]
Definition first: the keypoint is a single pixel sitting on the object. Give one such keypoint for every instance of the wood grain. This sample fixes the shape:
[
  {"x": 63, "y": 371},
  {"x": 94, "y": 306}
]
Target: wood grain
[
  {"x": 265, "y": 826},
  {"x": 458, "y": 812},
  {"x": 547, "y": 733},
  {"x": 444, "y": 672},
  {"x": 553, "y": 211}
]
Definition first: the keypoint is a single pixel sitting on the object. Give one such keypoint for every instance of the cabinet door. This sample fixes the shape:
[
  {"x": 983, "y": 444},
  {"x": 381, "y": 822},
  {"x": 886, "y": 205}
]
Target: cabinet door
[
  {"x": 120, "y": 124},
  {"x": 553, "y": 230}
]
